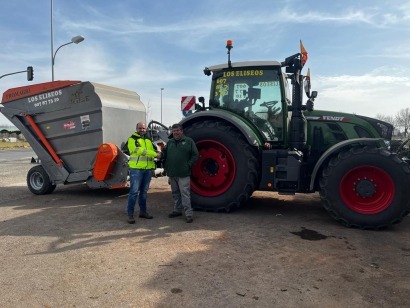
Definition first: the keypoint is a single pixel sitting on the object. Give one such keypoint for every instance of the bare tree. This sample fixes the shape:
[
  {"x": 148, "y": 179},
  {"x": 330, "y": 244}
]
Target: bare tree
[
  {"x": 386, "y": 118},
  {"x": 403, "y": 120},
  {"x": 389, "y": 119}
]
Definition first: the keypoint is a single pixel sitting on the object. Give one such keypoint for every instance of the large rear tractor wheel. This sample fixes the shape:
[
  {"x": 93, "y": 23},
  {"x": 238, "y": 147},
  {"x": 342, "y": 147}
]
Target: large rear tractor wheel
[
  {"x": 38, "y": 181},
  {"x": 227, "y": 171},
  {"x": 366, "y": 187}
]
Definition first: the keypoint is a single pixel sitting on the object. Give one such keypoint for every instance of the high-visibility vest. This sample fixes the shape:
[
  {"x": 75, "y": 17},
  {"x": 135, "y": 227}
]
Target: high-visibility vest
[{"x": 142, "y": 153}]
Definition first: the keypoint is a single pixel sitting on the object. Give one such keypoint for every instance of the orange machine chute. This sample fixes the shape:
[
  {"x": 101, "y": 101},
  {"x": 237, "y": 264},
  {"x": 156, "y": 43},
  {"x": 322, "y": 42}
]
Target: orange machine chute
[{"x": 105, "y": 161}]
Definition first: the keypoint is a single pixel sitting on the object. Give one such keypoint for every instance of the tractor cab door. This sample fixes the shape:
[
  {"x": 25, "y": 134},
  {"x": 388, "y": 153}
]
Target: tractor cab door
[{"x": 256, "y": 94}]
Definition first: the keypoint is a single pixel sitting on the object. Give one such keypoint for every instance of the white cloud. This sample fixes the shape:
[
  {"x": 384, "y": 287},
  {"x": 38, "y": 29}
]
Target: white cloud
[
  {"x": 368, "y": 95},
  {"x": 145, "y": 45}
]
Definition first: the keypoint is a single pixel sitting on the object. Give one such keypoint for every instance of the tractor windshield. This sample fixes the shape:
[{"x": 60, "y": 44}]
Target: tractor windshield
[{"x": 253, "y": 93}]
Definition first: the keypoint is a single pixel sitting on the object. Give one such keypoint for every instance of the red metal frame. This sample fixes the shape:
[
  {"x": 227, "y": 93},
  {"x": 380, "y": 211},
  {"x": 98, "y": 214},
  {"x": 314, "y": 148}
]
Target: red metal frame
[{"x": 44, "y": 140}]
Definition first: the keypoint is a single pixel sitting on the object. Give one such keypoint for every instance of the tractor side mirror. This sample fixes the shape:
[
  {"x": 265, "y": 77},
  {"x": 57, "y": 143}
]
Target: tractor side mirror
[{"x": 313, "y": 95}]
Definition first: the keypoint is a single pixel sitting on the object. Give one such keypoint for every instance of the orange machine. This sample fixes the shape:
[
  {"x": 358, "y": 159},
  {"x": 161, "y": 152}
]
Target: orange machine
[{"x": 105, "y": 161}]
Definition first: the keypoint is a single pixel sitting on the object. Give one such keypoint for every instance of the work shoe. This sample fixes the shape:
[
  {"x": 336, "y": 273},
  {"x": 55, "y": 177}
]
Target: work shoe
[
  {"x": 131, "y": 220},
  {"x": 145, "y": 215},
  {"x": 189, "y": 219},
  {"x": 174, "y": 214}
]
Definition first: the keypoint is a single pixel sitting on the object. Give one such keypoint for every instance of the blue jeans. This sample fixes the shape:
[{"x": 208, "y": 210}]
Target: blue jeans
[{"x": 139, "y": 185}]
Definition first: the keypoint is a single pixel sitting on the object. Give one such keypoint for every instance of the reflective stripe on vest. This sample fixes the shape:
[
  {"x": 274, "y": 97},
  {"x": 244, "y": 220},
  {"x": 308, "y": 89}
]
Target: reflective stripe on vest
[
  {"x": 141, "y": 158},
  {"x": 137, "y": 148}
]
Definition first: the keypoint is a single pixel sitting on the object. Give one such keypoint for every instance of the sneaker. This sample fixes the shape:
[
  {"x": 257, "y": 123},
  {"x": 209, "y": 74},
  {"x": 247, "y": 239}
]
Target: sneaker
[
  {"x": 131, "y": 220},
  {"x": 145, "y": 215},
  {"x": 174, "y": 214},
  {"x": 189, "y": 219}
]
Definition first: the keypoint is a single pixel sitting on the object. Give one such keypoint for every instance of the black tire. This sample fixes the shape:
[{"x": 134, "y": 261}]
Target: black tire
[
  {"x": 38, "y": 181},
  {"x": 226, "y": 174},
  {"x": 366, "y": 187}
]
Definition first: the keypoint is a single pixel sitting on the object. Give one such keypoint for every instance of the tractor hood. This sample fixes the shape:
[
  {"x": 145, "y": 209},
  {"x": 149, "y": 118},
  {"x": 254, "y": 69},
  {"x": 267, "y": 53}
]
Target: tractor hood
[{"x": 350, "y": 125}]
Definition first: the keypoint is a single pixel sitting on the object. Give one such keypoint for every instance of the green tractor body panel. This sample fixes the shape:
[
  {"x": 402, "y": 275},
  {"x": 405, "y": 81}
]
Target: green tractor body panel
[{"x": 337, "y": 126}]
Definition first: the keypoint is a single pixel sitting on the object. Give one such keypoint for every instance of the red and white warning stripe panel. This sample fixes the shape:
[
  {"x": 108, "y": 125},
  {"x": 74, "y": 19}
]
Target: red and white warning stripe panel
[{"x": 188, "y": 103}]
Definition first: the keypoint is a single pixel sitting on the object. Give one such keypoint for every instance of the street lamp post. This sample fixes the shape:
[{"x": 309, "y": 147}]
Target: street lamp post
[
  {"x": 52, "y": 42},
  {"x": 76, "y": 39},
  {"x": 162, "y": 89}
]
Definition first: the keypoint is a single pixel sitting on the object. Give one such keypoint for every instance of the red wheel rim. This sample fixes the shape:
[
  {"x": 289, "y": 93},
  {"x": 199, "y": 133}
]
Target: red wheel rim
[
  {"x": 367, "y": 190},
  {"x": 214, "y": 171}
]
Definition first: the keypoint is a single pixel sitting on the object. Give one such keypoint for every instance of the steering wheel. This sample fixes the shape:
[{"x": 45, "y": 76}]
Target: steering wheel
[{"x": 269, "y": 104}]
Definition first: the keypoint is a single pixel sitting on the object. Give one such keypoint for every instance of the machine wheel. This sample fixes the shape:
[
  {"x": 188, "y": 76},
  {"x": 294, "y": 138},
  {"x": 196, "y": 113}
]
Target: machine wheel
[
  {"x": 226, "y": 173},
  {"x": 38, "y": 181},
  {"x": 366, "y": 187}
]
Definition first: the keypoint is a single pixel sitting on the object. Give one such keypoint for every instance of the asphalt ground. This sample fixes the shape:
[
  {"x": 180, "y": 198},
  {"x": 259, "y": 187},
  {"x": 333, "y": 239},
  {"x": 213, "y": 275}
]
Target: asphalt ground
[{"x": 73, "y": 248}]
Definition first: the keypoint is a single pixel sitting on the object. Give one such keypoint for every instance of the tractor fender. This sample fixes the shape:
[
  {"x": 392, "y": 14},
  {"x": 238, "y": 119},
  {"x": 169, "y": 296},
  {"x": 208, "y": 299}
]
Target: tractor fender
[
  {"x": 338, "y": 147},
  {"x": 210, "y": 115}
]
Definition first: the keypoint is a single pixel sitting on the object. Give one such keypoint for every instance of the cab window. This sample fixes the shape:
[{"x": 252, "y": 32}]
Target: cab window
[{"x": 255, "y": 94}]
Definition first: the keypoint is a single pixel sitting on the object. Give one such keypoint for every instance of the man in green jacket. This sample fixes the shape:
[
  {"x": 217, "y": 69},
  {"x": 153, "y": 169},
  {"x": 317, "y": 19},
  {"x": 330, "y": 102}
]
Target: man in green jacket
[{"x": 179, "y": 154}]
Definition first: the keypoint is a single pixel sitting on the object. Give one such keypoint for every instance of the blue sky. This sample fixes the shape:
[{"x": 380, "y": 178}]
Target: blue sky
[{"x": 359, "y": 51}]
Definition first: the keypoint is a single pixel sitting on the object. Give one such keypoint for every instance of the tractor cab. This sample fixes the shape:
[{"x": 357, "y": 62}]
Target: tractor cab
[{"x": 256, "y": 91}]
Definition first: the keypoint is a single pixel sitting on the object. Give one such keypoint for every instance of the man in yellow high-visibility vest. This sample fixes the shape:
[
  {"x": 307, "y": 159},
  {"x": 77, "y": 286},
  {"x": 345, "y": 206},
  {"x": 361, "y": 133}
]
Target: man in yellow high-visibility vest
[{"x": 141, "y": 164}]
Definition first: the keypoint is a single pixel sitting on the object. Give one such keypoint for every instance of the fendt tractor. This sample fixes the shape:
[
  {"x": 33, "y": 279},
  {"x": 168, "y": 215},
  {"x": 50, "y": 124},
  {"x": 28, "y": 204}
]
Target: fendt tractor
[{"x": 254, "y": 135}]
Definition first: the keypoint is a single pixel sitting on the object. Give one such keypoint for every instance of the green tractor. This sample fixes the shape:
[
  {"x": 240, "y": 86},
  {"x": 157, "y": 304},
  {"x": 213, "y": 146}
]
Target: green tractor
[{"x": 255, "y": 135}]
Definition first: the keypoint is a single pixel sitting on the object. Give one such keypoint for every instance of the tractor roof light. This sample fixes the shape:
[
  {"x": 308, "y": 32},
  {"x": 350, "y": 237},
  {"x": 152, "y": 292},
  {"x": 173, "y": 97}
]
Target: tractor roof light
[{"x": 229, "y": 44}]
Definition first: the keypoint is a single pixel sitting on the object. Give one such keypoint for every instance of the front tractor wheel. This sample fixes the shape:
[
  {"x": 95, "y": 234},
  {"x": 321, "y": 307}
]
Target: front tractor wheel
[
  {"x": 226, "y": 173},
  {"x": 38, "y": 181},
  {"x": 366, "y": 187}
]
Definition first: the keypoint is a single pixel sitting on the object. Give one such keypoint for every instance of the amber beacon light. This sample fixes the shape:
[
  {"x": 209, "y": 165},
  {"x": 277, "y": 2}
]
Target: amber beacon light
[{"x": 229, "y": 46}]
